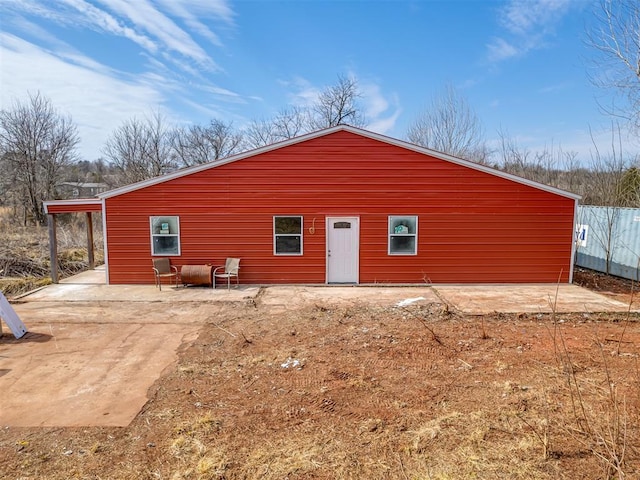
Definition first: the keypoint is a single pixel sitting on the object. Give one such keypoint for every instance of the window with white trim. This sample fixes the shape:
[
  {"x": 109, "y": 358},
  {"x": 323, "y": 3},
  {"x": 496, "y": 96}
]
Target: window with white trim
[
  {"x": 403, "y": 235},
  {"x": 287, "y": 235},
  {"x": 165, "y": 235}
]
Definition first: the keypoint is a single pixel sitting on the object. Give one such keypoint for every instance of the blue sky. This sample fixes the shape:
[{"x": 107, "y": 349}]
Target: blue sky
[{"x": 521, "y": 64}]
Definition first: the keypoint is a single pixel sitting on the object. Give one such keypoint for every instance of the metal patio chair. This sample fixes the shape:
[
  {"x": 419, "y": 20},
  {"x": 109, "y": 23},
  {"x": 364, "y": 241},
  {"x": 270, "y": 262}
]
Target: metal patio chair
[
  {"x": 162, "y": 268},
  {"x": 230, "y": 269}
]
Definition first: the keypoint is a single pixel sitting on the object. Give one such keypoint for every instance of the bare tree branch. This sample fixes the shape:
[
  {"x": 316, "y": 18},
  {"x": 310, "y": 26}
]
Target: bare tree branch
[
  {"x": 449, "y": 125},
  {"x": 338, "y": 105},
  {"x": 289, "y": 123},
  {"x": 141, "y": 149},
  {"x": 197, "y": 144},
  {"x": 36, "y": 144},
  {"x": 616, "y": 41}
]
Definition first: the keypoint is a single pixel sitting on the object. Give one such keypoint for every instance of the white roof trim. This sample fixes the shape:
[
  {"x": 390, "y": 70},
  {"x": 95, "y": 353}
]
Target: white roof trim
[{"x": 320, "y": 133}]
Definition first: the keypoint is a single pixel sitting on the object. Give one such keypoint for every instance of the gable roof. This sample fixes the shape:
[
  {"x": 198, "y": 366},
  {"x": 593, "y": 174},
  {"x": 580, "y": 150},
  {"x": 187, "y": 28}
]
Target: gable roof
[{"x": 328, "y": 131}]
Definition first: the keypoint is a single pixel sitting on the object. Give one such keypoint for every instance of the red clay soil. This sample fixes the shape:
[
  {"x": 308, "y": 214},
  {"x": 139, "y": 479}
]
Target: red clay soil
[
  {"x": 619, "y": 288},
  {"x": 370, "y": 391}
]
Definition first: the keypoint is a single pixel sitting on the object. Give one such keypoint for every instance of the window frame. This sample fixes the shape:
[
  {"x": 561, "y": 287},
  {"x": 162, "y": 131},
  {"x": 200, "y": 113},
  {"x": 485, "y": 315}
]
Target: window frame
[
  {"x": 276, "y": 235},
  {"x": 174, "y": 221},
  {"x": 391, "y": 233}
]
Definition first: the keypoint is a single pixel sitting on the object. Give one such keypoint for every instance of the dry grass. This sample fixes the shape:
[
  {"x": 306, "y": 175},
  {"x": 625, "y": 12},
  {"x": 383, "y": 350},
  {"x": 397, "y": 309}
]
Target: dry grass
[
  {"x": 455, "y": 445},
  {"x": 24, "y": 253},
  {"x": 377, "y": 397}
]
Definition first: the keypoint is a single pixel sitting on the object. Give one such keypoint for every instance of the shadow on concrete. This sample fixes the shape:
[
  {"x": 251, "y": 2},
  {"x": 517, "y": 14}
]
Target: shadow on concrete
[{"x": 29, "y": 337}]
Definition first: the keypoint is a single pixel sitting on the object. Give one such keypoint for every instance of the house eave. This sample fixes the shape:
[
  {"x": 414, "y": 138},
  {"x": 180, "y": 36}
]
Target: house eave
[{"x": 90, "y": 203}]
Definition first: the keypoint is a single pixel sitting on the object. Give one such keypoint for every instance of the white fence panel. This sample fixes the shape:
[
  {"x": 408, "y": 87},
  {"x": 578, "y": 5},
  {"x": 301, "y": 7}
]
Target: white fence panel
[{"x": 609, "y": 235}]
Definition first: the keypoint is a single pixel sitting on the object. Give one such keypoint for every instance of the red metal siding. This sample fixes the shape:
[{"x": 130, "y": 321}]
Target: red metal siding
[
  {"x": 473, "y": 226},
  {"x": 73, "y": 207}
]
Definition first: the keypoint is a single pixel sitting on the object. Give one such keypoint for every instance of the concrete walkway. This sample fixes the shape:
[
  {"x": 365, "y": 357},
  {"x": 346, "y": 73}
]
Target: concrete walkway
[{"x": 93, "y": 350}]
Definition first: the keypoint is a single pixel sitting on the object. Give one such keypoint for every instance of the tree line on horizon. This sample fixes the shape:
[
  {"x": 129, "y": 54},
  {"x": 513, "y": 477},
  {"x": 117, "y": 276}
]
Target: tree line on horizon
[{"x": 38, "y": 145}]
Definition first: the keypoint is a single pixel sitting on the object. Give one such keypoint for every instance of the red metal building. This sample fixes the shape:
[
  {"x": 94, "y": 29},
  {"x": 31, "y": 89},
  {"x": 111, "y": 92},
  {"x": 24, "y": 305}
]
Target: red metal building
[{"x": 342, "y": 205}]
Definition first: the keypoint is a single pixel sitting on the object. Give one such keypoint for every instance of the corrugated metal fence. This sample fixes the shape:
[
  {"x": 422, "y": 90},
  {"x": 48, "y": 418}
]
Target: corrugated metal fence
[{"x": 608, "y": 240}]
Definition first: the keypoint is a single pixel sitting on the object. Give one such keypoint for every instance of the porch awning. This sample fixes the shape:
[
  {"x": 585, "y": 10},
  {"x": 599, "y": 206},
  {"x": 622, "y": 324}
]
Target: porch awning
[{"x": 73, "y": 206}]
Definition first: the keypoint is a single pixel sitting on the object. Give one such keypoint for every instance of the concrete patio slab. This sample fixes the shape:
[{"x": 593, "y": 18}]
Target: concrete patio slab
[
  {"x": 72, "y": 292},
  {"x": 293, "y": 296},
  {"x": 117, "y": 313},
  {"x": 84, "y": 375},
  {"x": 486, "y": 299}
]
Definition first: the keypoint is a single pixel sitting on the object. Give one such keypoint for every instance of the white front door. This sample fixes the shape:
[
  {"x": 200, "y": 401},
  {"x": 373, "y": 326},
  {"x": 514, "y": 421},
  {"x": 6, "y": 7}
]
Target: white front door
[{"x": 343, "y": 249}]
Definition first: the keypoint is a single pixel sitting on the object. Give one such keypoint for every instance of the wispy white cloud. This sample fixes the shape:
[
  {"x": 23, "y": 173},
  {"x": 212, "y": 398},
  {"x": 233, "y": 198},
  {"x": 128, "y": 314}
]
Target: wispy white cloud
[
  {"x": 520, "y": 17},
  {"x": 147, "y": 17},
  {"x": 59, "y": 14},
  {"x": 385, "y": 124},
  {"x": 382, "y": 112},
  {"x": 558, "y": 87},
  {"x": 57, "y": 46},
  {"x": 527, "y": 26},
  {"x": 499, "y": 49},
  {"x": 106, "y": 22},
  {"x": 35, "y": 31},
  {"x": 96, "y": 98},
  {"x": 222, "y": 92},
  {"x": 191, "y": 11},
  {"x": 209, "y": 9},
  {"x": 75, "y": 14},
  {"x": 375, "y": 102},
  {"x": 302, "y": 92},
  {"x": 159, "y": 27},
  {"x": 207, "y": 110}
]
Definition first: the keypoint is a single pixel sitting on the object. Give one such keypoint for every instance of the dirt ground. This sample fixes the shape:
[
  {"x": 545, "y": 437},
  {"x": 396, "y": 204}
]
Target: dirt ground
[{"x": 363, "y": 390}]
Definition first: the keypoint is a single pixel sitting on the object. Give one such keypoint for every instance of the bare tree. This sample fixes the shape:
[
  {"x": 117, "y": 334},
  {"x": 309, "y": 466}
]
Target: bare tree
[
  {"x": 449, "y": 125},
  {"x": 260, "y": 133},
  {"x": 36, "y": 144},
  {"x": 574, "y": 172},
  {"x": 629, "y": 188},
  {"x": 514, "y": 159},
  {"x": 335, "y": 105},
  {"x": 288, "y": 123},
  {"x": 338, "y": 105},
  {"x": 141, "y": 149},
  {"x": 551, "y": 165},
  {"x": 606, "y": 171},
  {"x": 616, "y": 41},
  {"x": 291, "y": 122},
  {"x": 7, "y": 180},
  {"x": 197, "y": 144},
  {"x": 605, "y": 177}
]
